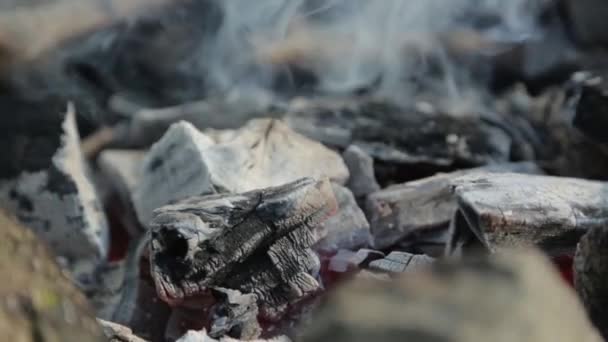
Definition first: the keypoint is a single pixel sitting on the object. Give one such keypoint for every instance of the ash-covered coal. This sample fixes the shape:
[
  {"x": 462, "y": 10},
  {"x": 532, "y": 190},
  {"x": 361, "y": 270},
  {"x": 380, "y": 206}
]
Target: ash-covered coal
[{"x": 255, "y": 243}]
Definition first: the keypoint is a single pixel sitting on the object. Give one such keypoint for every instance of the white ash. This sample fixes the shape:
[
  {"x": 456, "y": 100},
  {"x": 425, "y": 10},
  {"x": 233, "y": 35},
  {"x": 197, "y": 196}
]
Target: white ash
[
  {"x": 60, "y": 204},
  {"x": 173, "y": 169}
]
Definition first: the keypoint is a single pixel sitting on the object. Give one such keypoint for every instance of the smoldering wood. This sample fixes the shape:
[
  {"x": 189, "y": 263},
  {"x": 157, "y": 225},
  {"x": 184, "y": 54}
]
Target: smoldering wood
[
  {"x": 515, "y": 295},
  {"x": 419, "y": 212},
  {"x": 591, "y": 275},
  {"x": 505, "y": 210},
  {"x": 256, "y": 242},
  {"x": 398, "y": 262}
]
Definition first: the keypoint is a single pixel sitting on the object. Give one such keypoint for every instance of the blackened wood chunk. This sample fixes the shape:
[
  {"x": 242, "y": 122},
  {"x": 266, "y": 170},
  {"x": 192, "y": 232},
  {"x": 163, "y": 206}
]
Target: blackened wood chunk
[
  {"x": 514, "y": 296},
  {"x": 256, "y": 242},
  {"x": 416, "y": 214},
  {"x": 592, "y": 112},
  {"x": 53, "y": 194},
  {"x": 498, "y": 210},
  {"x": 591, "y": 275},
  {"x": 396, "y": 136}
]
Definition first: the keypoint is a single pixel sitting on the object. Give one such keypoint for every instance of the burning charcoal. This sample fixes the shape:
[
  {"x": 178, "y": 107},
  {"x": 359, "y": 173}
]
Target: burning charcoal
[
  {"x": 419, "y": 212},
  {"x": 591, "y": 275},
  {"x": 362, "y": 180},
  {"x": 515, "y": 296},
  {"x": 52, "y": 194},
  {"x": 346, "y": 260},
  {"x": 592, "y": 110},
  {"x": 347, "y": 229},
  {"x": 118, "y": 333},
  {"x": 173, "y": 169},
  {"x": 399, "y": 137},
  {"x": 266, "y": 152},
  {"x": 38, "y": 302},
  {"x": 256, "y": 242},
  {"x": 499, "y": 210},
  {"x": 398, "y": 262}
]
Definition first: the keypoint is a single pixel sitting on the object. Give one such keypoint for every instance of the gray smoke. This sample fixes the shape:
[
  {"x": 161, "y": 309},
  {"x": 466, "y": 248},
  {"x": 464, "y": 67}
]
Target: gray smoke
[{"x": 400, "y": 46}]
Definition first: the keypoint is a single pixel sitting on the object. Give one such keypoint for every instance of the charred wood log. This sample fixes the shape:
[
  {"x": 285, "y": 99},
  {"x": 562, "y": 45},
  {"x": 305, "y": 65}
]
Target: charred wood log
[
  {"x": 405, "y": 144},
  {"x": 257, "y": 243},
  {"x": 419, "y": 212},
  {"x": 506, "y": 210}
]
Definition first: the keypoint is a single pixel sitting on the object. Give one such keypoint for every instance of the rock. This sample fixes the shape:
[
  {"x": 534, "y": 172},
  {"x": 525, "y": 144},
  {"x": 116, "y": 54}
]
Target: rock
[
  {"x": 39, "y": 303},
  {"x": 173, "y": 169},
  {"x": 507, "y": 209},
  {"x": 511, "y": 296},
  {"x": 398, "y": 262},
  {"x": 419, "y": 212},
  {"x": 591, "y": 275},
  {"x": 255, "y": 242},
  {"x": 347, "y": 229},
  {"x": 362, "y": 180},
  {"x": 263, "y": 153},
  {"x": 49, "y": 190},
  {"x": 118, "y": 333}
]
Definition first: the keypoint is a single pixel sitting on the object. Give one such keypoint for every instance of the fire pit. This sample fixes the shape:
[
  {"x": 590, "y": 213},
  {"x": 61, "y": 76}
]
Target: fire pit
[{"x": 310, "y": 170}]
